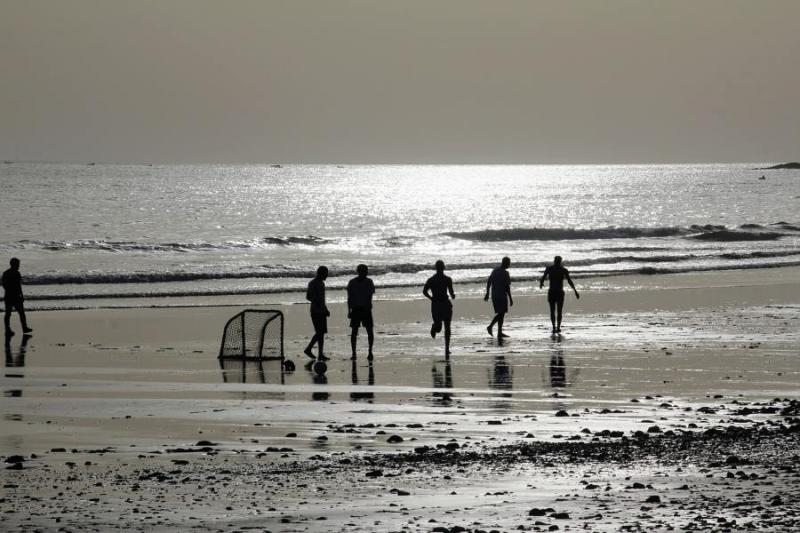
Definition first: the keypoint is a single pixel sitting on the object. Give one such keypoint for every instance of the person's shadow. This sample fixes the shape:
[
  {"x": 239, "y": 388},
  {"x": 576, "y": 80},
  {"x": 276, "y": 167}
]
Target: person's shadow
[
  {"x": 358, "y": 396},
  {"x": 442, "y": 379},
  {"x": 502, "y": 378},
  {"x": 318, "y": 379},
  {"x": 558, "y": 370},
  {"x": 237, "y": 370},
  {"x": 15, "y": 359},
  {"x": 559, "y": 376}
]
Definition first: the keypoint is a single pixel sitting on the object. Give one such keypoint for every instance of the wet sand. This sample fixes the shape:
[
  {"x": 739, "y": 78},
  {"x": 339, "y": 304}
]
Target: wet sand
[{"x": 642, "y": 387}]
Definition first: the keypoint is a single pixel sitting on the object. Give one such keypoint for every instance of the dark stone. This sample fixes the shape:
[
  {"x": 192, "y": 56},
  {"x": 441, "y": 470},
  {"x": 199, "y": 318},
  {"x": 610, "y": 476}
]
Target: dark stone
[
  {"x": 562, "y": 413},
  {"x": 653, "y": 499},
  {"x": 394, "y": 439}
]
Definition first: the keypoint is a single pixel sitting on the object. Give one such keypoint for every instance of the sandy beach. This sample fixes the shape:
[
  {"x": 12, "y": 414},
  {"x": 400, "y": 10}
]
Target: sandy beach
[{"x": 672, "y": 404}]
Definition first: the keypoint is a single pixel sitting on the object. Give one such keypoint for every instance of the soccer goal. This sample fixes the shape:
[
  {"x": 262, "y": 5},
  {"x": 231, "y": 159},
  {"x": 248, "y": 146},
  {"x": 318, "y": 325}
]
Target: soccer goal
[{"x": 253, "y": 334}]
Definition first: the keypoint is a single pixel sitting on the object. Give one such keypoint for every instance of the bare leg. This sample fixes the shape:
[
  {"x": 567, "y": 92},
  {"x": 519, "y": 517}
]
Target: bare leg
[
  {"x": 371, "y": 341},
  {"x": 353, "y": 340},
  {"x": 21, "y": 311},
  {"x": 7, "y": 319},
  {"x": 560, "y": 308},
  {"x": 307, "y": 351},
  {"x": 492, "y": 323},
  {"x": 321, "y": 344},
  {"x": 500, "y": 319},
  {"x": 553, "y": 314}
]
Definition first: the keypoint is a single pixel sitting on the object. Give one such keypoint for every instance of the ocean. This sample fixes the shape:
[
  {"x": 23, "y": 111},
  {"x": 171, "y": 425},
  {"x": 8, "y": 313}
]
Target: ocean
[{"x": 107, "y": 235}]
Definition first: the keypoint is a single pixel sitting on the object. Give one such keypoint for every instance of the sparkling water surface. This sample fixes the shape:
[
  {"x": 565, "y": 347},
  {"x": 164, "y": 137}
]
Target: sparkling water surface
[{"x": 204, "y": 230}]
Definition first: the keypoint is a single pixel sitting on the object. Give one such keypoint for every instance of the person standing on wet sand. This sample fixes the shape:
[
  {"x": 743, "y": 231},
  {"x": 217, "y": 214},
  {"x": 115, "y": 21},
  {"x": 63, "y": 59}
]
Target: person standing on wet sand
[
  {"x": 499, "y": 283},
  {"x": 359, "y": 308},
  {"x": 436, "y": 290},
  {"x": 12, "y": 285},
  {"x": 319, "y": 313},
  {"x": 555, "y": 295}
]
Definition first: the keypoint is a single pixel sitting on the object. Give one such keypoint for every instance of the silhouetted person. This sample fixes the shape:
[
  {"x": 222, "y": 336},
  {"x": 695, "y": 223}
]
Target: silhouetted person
[
  {"x": 436, "y": 290},
  {"x": 359, "y": 307},
  {"x": 12, "y": 284},
  {"x": 499, "y": 283},
  {"x": 319, "y": 313},
  {"x": 555, "y": 295}
]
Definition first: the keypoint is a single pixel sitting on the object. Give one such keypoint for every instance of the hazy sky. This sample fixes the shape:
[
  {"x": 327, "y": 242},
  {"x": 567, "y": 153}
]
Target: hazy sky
[{"x": 434, "y": 81}]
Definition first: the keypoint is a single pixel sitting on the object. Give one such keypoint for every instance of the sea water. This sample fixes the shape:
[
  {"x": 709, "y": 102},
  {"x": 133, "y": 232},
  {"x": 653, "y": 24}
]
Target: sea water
[{"x": 135, "y": 235}]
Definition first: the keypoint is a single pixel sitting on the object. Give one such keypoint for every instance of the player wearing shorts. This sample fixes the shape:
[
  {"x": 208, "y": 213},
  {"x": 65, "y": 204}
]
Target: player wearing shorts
[
  {"x": 319, "y": 313},
  {"x": 359, "y": 308},
  {"x": 437, "y": 289},
  {"x": 555, "y": 295},
  {"x": 499, "y": 284}
]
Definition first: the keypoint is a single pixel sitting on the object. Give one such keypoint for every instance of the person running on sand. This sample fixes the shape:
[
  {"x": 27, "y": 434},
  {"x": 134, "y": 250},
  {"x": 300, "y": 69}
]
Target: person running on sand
[
  {"x": 555, "y": 295},
  {"x": 499, "y": 283},
  {"x": 436, "y": 290},
  {"x": 12, "y": 284},
  {"x": 359, "y": 308},
  {"x": 319, "y": 313}
]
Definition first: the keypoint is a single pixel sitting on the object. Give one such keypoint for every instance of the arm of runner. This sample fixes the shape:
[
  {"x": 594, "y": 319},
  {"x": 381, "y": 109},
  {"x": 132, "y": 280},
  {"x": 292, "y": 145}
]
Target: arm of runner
[{"x": 569, "y": 280}]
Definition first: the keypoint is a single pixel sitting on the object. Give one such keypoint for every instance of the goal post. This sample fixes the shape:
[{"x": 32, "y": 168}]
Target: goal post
[{"x": 254, "y": 334}]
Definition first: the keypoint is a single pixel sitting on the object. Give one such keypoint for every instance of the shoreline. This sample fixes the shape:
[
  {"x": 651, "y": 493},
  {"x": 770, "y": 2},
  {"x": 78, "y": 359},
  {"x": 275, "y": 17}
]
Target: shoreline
[{"x": 523, "y": 288}]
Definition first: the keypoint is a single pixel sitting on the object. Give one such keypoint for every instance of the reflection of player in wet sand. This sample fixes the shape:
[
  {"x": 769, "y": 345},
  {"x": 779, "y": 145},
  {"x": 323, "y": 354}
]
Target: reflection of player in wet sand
[
  {"x": 555, "y": 295},
  {"x": 442, "y": 380},
  {"x": 436, "y": 290}
]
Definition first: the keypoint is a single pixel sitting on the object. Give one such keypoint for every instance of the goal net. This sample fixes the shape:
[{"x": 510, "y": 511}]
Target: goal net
[{"x": 253, "y": 334}]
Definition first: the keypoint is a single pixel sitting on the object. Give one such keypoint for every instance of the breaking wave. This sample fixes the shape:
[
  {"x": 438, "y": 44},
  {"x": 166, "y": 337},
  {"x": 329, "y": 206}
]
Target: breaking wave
[
  {"x": 135, "y": 246},
  {"x": 266, "y": 272},
  {"x": 733, "y": 236},
  {"x": 558, "y": 234},
  {"x": 709, "y": 232}
]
